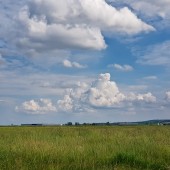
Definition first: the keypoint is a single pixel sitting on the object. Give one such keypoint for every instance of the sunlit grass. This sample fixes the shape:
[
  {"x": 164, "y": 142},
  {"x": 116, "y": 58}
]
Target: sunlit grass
[{"x": 93, "y": 148}]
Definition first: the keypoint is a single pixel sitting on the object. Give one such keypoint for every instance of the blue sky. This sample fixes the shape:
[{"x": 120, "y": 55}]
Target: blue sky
[{"x": 84, "y": 60}]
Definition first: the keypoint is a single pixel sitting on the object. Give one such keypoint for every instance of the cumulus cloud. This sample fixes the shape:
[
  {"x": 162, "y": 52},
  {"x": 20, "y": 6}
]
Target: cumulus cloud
[
  {"x": 66, "y": 104},
  {"x": 148, "y": 97},
  {"x": 102, "y": 93},
  {"x": 69, "y": 64},
  {"x": 125, "y": 68},
  {"x": 41, "y": 106},
  {"x": 159, "y": 7},
  {"x": 155, "y": 10},
  {"x": 50, "y": 25},
  {"x": 75, "y": 99}
]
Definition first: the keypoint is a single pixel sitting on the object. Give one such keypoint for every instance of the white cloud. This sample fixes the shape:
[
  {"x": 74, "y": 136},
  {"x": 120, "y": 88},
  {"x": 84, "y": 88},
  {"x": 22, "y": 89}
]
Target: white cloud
[
  {"x": 51, "y": 30},
  {"x": 155, "y": 10},
  {"x": 42, "y": 106},
  {"x": 87, "y": 97},
  {"x": 148, "y": 97},
  {"x": 66, "y": 104},
  {"x": 69, "y": 64},
  {"x": 125, "y": 68},
  {"x": 75, "y": 99},
  {"x": 51, "y": 25},
  {"x": 156, "y": 55},
  {"x": 151, "y": 8},
  {"x": 102, "y": 93},
  {"x": 77, "y": 65}
]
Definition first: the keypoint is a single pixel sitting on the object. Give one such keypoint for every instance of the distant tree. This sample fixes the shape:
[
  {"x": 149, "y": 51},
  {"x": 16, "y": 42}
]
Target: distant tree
[
  {"x": 69, "y": 124},
  {"x": 77, "y": 123},
  {"x": 107, "y": 123}
]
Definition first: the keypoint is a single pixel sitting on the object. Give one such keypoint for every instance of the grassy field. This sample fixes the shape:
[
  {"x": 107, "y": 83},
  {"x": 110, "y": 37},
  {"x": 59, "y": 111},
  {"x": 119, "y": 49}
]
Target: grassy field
[{"x": 86, "y": 148}]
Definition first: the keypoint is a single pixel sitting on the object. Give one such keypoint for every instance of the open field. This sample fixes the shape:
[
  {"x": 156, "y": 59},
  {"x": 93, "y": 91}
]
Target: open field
[{"x": 86, "y": 148}]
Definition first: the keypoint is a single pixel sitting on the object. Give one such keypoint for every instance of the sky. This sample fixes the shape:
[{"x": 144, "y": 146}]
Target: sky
[{"x": 84, "y": 61}]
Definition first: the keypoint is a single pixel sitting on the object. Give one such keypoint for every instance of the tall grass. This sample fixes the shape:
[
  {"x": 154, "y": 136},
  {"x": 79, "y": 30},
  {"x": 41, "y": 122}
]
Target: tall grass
[{"x": 83, "y": 148}]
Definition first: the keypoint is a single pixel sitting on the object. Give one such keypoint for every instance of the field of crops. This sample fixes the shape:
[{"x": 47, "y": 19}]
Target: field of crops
[{"x": 85, "y": 148}]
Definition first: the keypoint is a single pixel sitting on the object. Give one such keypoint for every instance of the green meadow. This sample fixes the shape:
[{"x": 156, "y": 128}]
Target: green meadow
[{"x": 85, "y": 148}]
